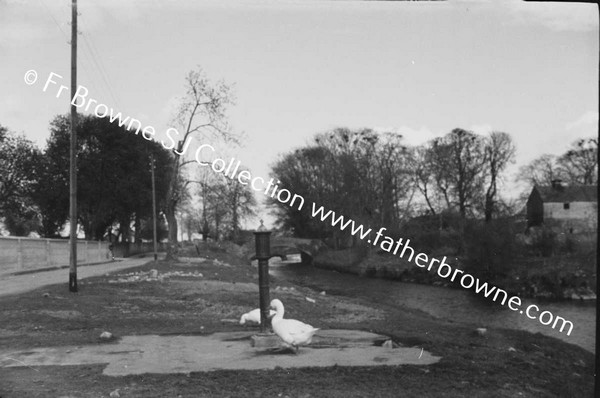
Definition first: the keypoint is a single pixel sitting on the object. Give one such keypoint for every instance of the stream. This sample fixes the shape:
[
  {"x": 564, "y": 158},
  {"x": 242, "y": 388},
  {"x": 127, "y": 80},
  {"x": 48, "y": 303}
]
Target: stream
[{"x": 457, "y": 305}]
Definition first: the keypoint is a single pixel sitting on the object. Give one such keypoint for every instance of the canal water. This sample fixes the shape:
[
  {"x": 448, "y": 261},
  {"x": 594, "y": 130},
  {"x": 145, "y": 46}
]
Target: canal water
[{"x": 457, "y": 305}]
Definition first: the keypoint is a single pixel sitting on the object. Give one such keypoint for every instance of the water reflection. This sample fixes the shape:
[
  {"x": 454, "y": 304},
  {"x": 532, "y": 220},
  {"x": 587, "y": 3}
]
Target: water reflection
[{"x": 451, "y": 304}]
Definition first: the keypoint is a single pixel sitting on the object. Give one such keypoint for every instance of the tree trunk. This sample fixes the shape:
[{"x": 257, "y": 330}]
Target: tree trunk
[
  {"x": 171, "y": 208},
  {"x": 188, "y": 225},
  {"x": 205, "y": 230},
  {"x": 234, "y": 217},
  {"x": 489, "y": 197},
  {"x": 86, "y": 225},
  {"x": 217, "y": 223},
  {"x": 172, "y": 222},
  {"x": 489, "y": 208},
  {"x": 125, "y": 230},
  {"x": 137, "y": 225},
  {"x": 205, "y": 227},
  {"x": 462, "y": 202},
  {"x": 99, "y": 231}
]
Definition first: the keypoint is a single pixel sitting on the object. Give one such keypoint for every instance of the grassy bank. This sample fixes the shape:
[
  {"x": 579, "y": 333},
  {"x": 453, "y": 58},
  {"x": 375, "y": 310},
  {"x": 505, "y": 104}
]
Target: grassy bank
[
  {"x": 502, "y": 363},
  {"x": 558, "y": 277}
]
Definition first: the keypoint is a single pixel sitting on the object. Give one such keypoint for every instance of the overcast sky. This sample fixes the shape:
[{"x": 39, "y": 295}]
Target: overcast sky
[{"x": 302, "y": 67}]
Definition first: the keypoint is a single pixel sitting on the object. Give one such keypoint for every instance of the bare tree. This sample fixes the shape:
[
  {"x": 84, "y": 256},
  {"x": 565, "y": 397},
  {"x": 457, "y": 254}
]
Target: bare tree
[
  {"x": 201, "y": 113},
  {"x": 499, "y": 152},
  {"x": 393, "y": 171},
  {"x": 441, "y": 166},
  {"x": 422, "y": 172},
  {"x": 360, "y": 174},
  {"x": 540, "y": 171},
  {"x": 579, "y": 164},
  {"x": 225, "y": 203},
  {"x": 241, "y": 201},
  {"x": 205, "y": 178},
  {"x": 459, "y": 159}
]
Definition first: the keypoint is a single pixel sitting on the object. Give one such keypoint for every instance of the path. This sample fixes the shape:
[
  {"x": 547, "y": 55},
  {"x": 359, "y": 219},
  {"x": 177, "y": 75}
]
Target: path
[
  {"x": 233, "y": 350},
  {"x": 13, "y": 284}
]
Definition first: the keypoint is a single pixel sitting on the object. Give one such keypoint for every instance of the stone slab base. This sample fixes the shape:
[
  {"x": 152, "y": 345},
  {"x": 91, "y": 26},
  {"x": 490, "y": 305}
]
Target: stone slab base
[{"x": 266, "y": 341}]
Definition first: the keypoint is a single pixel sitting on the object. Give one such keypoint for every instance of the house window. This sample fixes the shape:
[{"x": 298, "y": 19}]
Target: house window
[{"x": 566, "y": 206}]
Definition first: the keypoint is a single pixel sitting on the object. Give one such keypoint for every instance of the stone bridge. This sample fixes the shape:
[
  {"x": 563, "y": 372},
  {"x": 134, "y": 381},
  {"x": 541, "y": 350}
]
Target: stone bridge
[{"x": 282, "y": 247}]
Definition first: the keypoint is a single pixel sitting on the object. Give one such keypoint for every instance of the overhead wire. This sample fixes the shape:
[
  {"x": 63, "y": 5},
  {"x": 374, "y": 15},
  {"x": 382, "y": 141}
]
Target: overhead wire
[
  {"x": 97, "y": 59},
  {"x": 88, "y": 60},
  {"x": 54, "y": 19}
]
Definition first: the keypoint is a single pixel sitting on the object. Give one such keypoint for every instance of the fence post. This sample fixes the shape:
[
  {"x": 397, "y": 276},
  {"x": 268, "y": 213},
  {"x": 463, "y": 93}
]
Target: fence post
[
  {"x": 19, "y": 253},
  {"x": 99, "y": 251},
  {"x": 48, "y": 257},
  {"x": 86, "y": 251}
]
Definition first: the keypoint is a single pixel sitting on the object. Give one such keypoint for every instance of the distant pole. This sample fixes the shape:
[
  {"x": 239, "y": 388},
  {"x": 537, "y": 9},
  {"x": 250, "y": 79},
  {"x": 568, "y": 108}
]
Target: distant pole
[
  {"x": 154, "y": 206},
  {"x": 73, "y": 157}
]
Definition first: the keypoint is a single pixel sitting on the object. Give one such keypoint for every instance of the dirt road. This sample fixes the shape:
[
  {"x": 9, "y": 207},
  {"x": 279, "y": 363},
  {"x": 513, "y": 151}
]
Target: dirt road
[{"x": 13, "y": 284}]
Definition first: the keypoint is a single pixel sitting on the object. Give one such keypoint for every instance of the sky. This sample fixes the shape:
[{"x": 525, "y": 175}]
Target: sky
[{"x": 303, "y": 67}]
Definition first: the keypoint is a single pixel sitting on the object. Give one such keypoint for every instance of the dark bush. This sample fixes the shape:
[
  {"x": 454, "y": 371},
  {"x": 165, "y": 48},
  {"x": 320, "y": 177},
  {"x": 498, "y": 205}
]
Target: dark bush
[
  {"x": 431, "y": 232},
  {"x": 545, "y": 241},
  {"x": 22, "y": 223},
  {"x": 570, "y": 244},
  {"x": 491, "y": 248},
  {"x": 370, "y": 272}
]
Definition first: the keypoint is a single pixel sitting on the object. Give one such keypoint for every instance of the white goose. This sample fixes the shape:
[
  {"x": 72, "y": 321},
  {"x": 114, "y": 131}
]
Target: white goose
[
  {"x": 291, "y": 331},
  {"x": 253, "y": 316}
]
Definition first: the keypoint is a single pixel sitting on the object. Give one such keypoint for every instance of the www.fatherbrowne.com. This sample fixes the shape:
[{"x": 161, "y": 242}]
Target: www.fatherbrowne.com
[{"x": 444, "y": 270}]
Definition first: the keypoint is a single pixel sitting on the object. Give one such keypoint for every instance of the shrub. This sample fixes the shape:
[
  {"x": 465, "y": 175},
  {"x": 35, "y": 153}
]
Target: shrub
[
  {"x": 545, "y": 241},
  {"x": 491, "y": 248},
  {"x": 430, "y": 232},
  {"x": 570, "y": 244}
]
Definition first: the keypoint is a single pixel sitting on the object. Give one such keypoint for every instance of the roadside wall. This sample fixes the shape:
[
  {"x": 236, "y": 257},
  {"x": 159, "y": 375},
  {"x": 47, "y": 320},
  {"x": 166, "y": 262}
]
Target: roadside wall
[
  {"x": 126, "y": 249},
  {"x": 26, "y": 254}
]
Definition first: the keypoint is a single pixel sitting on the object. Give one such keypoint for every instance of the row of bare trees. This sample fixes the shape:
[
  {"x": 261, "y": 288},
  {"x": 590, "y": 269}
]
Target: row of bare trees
[
  {"x": 461, "y": 171},
  {"x": 375, "y": 179},
  {"x": 216, "y": 207},
  {"x": 114, "y": 176},
  {"x": 360, "y": 174},
  {"x": 577, "y": 166}
]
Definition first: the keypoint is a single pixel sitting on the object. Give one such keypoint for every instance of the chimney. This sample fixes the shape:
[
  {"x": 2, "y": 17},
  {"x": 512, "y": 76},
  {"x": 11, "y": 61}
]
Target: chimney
[{"x": 557, "y": 184}]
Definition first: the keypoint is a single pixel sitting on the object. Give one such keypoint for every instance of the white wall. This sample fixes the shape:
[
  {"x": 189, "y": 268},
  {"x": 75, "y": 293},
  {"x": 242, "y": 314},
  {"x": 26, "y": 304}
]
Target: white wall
[{"x": 25, "y": 254}]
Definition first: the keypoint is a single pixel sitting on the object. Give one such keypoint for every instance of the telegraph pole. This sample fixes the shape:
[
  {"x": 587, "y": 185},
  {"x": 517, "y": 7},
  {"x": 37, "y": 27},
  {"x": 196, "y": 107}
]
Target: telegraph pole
[
  {"x": 73, "y": 156},
  {"x": 153, "y": 206}
]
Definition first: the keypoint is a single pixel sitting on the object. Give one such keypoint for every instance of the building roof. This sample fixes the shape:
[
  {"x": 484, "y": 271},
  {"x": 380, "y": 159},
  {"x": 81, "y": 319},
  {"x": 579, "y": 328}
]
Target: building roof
[{"x": 574, "y": 193}]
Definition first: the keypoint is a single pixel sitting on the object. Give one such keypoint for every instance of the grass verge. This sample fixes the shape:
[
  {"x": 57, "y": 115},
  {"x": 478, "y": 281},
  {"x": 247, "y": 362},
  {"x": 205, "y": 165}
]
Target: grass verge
[{"x": 503, "y": 363}]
